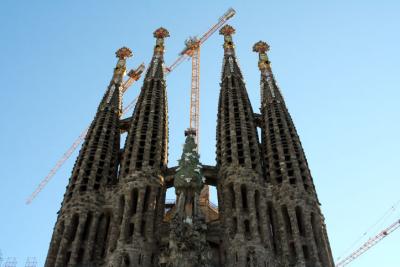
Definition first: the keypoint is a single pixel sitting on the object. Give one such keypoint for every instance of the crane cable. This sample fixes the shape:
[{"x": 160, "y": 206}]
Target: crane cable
[{"x": 379, "y": 222}]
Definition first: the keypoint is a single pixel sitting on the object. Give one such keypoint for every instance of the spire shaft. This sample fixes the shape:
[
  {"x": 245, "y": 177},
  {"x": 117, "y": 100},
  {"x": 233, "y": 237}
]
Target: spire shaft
[
  {"x": 146, "y": 144},
  {"x": 293, "y": 196},
  {"x": 95, "y": 168}
]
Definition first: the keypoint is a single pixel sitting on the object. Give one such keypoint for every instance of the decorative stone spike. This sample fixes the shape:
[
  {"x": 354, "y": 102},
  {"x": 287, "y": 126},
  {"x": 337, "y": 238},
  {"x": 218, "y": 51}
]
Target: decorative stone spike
[
  {"x": 123, "y": 53},
  {"x": 227, "y": 31},
  {"x": 161, "y": 33}
]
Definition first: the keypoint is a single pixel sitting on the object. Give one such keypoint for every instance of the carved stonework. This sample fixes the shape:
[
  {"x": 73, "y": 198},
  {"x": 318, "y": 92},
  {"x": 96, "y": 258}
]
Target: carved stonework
[{"x": 187, "y": 243}]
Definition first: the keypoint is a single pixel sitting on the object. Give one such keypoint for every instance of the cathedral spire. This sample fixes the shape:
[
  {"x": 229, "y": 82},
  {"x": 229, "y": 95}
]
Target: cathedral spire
[
  {"x": 269, "y": 88},
  {"x": 294, "y": 202},
  {"x": 147, "y": 141},
  {"x": 141, "y": 186},
  {"x": 230, "y": 65},
  {"x": 156, "y": 69},
  {"x": 95, "y": 169},
  {"x": 227, "y": 31},
  {"x": 239, "y": 166},
  {"x": 237, "y": 141}
]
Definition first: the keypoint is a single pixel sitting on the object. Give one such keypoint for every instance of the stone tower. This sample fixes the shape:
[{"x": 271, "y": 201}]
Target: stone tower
[
  {"x": 239, "y": 167},
  {"x": 82, "y": 226},
  {"x": 297, "y": 226},
  {"x": 115, "y": 213},
  {"x": 141, "y": 179}
]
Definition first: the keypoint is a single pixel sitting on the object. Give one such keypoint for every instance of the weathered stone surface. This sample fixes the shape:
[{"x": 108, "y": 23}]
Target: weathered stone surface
[{"x": 114, "y": 211}]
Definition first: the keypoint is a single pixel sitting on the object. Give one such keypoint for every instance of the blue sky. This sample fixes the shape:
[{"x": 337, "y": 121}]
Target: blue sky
[{"x": 336, "y": 62}]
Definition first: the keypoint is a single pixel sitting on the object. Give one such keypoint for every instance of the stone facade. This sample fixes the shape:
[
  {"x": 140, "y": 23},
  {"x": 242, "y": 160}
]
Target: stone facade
[{"x": 114, "y": 211}]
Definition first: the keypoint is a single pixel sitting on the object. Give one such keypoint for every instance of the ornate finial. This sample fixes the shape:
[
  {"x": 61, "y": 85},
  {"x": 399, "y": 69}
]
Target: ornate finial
[
  {"x": 261, "y": 47},
  {"x": 263, "y": 62},
  {"x": 123, "y": 53},
  {"x": 161, "y": 33},
  {"x": 227, "y": 30}
]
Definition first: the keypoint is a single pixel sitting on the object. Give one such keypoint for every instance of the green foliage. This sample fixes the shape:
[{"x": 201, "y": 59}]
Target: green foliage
[{"x": 189, "y": 174}]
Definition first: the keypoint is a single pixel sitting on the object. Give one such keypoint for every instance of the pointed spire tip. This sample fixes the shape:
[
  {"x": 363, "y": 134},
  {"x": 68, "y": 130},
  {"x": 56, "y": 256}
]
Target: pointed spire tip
[
  {"x": 161, "y": 33},
  {"x": 123, "y": 53},
  {"x": 227, "y": 30},
  {"x": 260, "y": 47}
]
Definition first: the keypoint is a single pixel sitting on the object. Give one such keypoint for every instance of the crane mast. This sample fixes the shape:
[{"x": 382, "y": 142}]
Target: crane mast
[
  {"x": 369, "y": 244},
  {"x": 192, "y": 49}
]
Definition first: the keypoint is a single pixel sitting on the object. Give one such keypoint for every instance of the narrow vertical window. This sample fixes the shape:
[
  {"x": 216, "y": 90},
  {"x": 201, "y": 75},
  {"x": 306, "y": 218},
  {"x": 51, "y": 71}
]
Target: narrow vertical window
[
  {"x": 272, "y": 226},
  {"x": 300, "y": 221},
  {"x": 121, "y": 208},
  {"x": 243, "y": 191},
  {"x": 292, "y": 253},
  {"x": 232, "y": 195},
  {"x": 257, "y": 205},
  {"x": 74, "y": 227},
  {"x": 134, "y": 200},
  {"x": 143, "y": 228},
  {"x": 247, "y": 229},
  {"x": 146, "y": 198},
  {"x": 286, "y": 218},
  {"x": 317, "y": 237},
  {"x": 86, "y": 228}
]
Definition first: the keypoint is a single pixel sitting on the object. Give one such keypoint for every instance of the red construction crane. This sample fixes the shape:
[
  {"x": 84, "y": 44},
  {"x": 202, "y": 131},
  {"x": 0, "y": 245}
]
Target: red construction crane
[
  {"x": 192, "y": 49},
  {"x": 134, "y": 75},
  {"x": 370, "y": 243}
]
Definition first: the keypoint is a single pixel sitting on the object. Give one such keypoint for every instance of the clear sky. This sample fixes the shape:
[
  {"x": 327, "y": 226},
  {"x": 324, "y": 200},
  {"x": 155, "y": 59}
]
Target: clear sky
[{"x": 337, "y": 63}]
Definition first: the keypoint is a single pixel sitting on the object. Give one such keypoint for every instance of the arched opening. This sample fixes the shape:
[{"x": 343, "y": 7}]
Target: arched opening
[
  {"x": 169, "y": 202},
  {"x": 106, "y": 234},
  {"x": 134, "y": 200},
  {"x": 292, "y": 253},
  {"x": 247, "y": 229},
  {"x": 146, "y": 199},
  {"x": 79, "y": 257},
  {"x": 257, "y": 205},
  {"x": 143, "y": 228},
  {"x": 86, "y": 228},
  {"x": 286, "y": 219},
  {"x": 317, "y": 237},
  {"x": 126, "y": 261},
  {"x": 300, "y": 221},
  {"x": 74, "y": 227},
  {"x": 235, "y": 226},
  {"x": 306, "y": 254},
  {"x": 243, "y": 191},
  {"x": 121, "y": 208},
  {"x": 272, "y": 226},
  {"x": 232, "y": 196}
]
